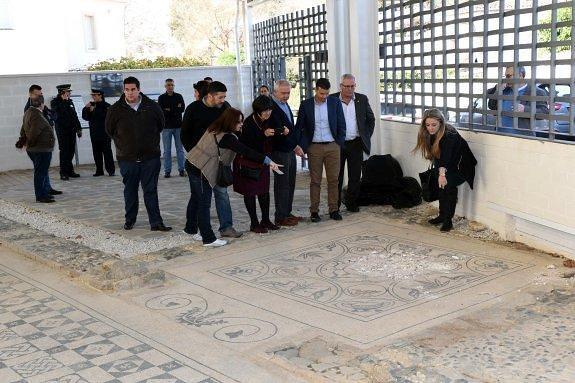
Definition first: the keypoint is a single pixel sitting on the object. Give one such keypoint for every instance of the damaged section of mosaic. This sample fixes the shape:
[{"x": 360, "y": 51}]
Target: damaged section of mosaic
[{"x": 532, "y": 342}]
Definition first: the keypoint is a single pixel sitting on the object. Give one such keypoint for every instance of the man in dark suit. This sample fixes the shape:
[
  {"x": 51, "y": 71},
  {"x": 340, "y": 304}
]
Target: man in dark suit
[
  {"x": 322, "y": 125},
  {"x": 359, "y": 124},
  {"x": 285, "y": 148}
]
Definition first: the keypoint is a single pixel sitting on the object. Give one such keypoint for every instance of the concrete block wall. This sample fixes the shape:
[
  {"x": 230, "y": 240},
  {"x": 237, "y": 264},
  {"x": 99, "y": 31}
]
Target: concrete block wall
[
  {"x": 14, "y": 93},
  {"x": 524, "y": 189}
]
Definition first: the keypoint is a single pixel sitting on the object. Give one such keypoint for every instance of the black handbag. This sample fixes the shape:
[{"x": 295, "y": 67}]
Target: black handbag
[
  {"x": 250, "y": 173},
  {"x": 225, "y": 176},
  {"x": 429, "y": 185}
]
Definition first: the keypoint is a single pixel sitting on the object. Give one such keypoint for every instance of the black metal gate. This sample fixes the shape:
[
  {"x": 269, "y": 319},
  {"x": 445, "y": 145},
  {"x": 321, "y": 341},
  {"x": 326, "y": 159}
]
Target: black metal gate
[{"x": 302, "y": 34}]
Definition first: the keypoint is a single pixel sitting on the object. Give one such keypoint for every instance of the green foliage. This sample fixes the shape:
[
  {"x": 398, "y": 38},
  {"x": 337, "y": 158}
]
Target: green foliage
[
  {"x": 159, "y": 62},
  {"x": 563, "y": 33},
  {"x": 229, "y": 58}
]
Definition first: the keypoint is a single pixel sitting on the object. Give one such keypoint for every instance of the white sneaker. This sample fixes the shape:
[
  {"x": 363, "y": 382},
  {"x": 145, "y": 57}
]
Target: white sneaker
[
  {"x": 197, "y": 237},
  {"x": 216, "y": 243}
]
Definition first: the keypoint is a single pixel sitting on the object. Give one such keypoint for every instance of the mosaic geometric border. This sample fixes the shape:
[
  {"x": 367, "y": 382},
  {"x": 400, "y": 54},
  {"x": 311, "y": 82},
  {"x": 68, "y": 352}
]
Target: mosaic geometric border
[{"x": 328, "y": 275}]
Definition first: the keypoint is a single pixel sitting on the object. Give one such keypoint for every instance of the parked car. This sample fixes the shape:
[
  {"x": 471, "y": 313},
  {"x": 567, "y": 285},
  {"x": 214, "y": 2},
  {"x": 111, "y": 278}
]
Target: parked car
[
  {"x": 561, "y": 107},
  {"x": 490, "y": 120}
]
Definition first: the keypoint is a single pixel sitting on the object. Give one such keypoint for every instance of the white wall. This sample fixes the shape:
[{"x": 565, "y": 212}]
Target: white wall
[
  {"x": 524, "y": 189},
  {"x": 14, "y": 93},
  {"x": 48, "y": 36}
]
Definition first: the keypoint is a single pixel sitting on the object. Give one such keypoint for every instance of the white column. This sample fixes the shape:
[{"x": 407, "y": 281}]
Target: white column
[
  {"x": 338, "y": 42},
  {"x": 353, "y": 47},
  {"x": 364, "y": 37}
]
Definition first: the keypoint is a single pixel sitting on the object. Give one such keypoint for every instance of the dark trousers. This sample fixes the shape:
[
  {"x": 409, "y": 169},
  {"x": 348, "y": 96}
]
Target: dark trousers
[
  {"x": 41, "y": 161},
  {"x": 102, "y": 148},
  {"x": 352, "y": 153},
  {"x": 145, "y": 173},
  {"x": 284, "y": 185},
  {"x": 67, "y": 146},
  {"x": 448, "y": 196},
  {"x": 198, "y": 211}
]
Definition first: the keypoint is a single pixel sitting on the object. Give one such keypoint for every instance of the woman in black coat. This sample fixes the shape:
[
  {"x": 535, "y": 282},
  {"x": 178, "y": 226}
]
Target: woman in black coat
[
  {"x": 441, "y": 143},
  {"x": 252, "y": 179}
]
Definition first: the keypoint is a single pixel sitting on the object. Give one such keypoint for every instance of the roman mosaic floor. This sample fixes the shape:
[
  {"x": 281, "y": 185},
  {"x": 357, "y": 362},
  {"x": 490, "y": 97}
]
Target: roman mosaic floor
[{"x": 378, "y": 297}]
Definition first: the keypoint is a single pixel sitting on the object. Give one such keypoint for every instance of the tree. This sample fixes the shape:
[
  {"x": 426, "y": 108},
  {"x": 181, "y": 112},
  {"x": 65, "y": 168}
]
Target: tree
[
  {"x": 205, "y": 27},
  {"x": 563, "y": 33}
]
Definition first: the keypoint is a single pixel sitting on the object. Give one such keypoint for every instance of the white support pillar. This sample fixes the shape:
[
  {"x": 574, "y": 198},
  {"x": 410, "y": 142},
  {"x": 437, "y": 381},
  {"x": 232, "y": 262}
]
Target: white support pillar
[
  {"x": 353, "y": 47},
  {"x": 338, "y": 42}
]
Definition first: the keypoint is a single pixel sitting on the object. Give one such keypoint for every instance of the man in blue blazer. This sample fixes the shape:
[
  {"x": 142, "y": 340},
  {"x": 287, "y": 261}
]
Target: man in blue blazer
[{"x": 321, "y": 124}]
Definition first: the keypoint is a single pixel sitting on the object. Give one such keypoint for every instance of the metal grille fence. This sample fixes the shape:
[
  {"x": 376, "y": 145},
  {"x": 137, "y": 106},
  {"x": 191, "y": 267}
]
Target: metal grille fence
[
  {"x": 301, "y": 34},
  {"x": 450, "y": 54}
]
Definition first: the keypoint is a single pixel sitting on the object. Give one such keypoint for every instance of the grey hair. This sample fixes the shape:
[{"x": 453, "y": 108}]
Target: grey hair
[
  {"x": 37, "y": 101},
  {"x": 521, "y": 72},
  {"x": 347, "y": 76},
  {"x": 281, "y": 82}
]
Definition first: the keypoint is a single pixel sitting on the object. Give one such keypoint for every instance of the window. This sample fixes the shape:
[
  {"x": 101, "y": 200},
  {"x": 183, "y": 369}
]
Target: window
[
  {"x": 448, "y": 54},
  {"x": 6, "y": 10},
  {"x": 90, "y": 33}
]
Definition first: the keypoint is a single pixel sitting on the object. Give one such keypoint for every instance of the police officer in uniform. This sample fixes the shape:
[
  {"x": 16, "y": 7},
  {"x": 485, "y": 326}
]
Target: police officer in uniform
[
  {"x": 95, "y": 113},
  {"x": 67, "y": 127}
]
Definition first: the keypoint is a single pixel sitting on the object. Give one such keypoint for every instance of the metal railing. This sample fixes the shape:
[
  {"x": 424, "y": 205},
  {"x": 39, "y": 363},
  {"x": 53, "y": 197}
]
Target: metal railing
[{"x": 448, "y": 54}]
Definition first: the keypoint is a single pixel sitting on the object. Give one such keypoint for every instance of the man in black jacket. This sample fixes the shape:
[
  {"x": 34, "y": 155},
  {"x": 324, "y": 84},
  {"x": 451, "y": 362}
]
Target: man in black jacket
[
  {"x": 67, "y": 127},
  {"x": 359, "y": 124},
  {"x": 135, "y": 122},
  {"x": 172, "y": 105},
  {"x": 95, "y": 113},
  {"x": 199, "y": 115}
]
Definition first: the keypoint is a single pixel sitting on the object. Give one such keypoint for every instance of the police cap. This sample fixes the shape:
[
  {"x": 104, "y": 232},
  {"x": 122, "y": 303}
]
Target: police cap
[{"x": 64, "y": 87}]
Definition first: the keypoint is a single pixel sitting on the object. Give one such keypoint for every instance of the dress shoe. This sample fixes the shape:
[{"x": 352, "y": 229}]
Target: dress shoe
[
  {"x": 183, "y": 173},
  {"x": 167, "y": 175},
  {"x": 230, "y": 232},
  {"x": 161, "y": 227},
  {"x": 352, "y": 209},
  {"x": 286, "y": 222},
  {"x": 54, "y": 192},
  {"x": 295, "y": 217},
  {"x": 74, "y": 175},
  {"x": 97, "y": 174},
  {"x": 258, "y": 229},
  {"x": 269, "y": 225},
  {"x": 129, "y": 225},
  {"x": 64, "y": 178},
  {"x": 45, "y": 200},
  {"x": 447, "y": 225},
  {"x": 335, "y": 215},
  {"x": 111, "y": 174},
  {"x": 315, "y": 217},
  {"x": 436, "y": 220}
]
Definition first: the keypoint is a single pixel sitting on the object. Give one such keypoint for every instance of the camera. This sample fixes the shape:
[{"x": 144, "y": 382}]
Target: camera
[
  {"x": 92, "y": 103},
  {"x": 278, "y": 131}
]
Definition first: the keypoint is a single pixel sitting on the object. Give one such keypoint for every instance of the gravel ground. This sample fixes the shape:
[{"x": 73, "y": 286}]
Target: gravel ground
[{"x": 92, "y": 237}]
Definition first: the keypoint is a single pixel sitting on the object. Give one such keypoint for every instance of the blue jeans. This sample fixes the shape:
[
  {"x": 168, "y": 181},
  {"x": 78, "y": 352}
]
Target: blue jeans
[
  {"x": 223, "y": 207},
  {"x": 167, "y": 140},
  {"x": 145, "y": 173},
  {"x": 41, "y": 161},
  {"x": 198, "y": 211}
]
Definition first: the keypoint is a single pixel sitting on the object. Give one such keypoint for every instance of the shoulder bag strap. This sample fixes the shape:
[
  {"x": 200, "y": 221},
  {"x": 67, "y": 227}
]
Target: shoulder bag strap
[{"x": 217, "y": 147}]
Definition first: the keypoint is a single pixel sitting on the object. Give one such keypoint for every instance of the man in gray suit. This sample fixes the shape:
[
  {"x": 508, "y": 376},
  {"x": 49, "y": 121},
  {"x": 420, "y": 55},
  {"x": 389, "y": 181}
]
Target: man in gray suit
[{"x": 359, "y": 121}]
